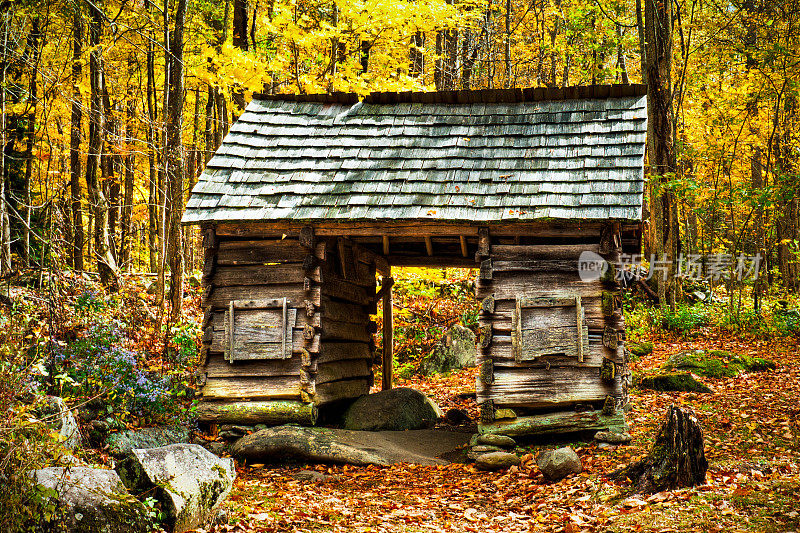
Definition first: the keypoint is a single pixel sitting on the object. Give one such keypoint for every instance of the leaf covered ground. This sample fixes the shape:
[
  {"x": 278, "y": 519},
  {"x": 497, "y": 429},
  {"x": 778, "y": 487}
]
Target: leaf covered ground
[{"x": 752, "y": 433}]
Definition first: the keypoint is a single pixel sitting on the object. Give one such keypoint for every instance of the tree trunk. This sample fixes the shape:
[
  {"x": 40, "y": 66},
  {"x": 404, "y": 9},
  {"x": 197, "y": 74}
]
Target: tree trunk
[
  {"x": 106, "y": 265},
  {"x": 32, "y": 59},
  {"x": 239, "y": 41},
  {"x": 76, "y": 136},
  {"x": 5, "y": 226},
  {"x": 661, "y": 155},
  {"x": 130, "y": 161},
  {"x": 677, "y": 458},
  {"x": 507, "y": 45},
  {"x": 174, "y": 155},
  {"x": 152, "y": 186},
  {"x": 416, "y": 57}
]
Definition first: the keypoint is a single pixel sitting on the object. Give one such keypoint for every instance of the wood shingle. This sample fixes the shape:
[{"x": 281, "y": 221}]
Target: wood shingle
[{"x": 510, "y": 155}]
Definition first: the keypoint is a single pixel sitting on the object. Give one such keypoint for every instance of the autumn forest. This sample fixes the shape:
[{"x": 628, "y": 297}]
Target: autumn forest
[{"x": 110, "y": 111}]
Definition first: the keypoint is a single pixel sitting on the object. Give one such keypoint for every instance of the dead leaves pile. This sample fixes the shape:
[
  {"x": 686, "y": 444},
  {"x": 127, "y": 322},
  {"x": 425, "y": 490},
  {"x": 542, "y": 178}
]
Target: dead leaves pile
[{"x": 752, "y": 441}]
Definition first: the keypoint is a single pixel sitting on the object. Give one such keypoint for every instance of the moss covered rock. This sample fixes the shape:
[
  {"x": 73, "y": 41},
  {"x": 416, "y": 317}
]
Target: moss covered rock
[
  {"x": 716, "y": 363},
  {"x": 671, "y": 381},
  {"x": 640, "y": 349}
]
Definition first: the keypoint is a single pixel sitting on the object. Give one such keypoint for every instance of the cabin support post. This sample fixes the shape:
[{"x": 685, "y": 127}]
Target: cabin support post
[{"x": 388, "y": 337}]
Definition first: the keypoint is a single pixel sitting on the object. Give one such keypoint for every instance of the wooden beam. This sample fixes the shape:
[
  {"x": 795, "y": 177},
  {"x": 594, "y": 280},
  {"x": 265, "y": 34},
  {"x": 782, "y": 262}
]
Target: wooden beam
[
  {"x": 464, "y": 250},
  {"x": 545, "y": 228},
  {"x": 385, "y": 245},
  {"x": 388, "y": 340},
  {"x": 428, "y": 245}
]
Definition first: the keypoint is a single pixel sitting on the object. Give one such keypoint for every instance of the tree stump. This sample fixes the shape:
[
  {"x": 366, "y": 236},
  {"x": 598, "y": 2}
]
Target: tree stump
[{"x": 677, "y": 458}]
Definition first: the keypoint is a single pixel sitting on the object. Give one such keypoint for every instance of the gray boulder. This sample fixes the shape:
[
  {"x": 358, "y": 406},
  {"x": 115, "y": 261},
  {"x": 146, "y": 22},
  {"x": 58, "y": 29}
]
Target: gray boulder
[
  {"x": 326, "y": 445},
  {"x": 188, "y": 480},
  {"x": 56, "y": 413},
  {"x": 392, "y": 410},
  {"x": 121, "y": 444},
  {"x": 496, "y": 461},
  {"x": 456, "y": 350},
  {"x": 92, "y": 500},
  {"x": 612, "y": 437},
  {"x": 559, "y": 463},
  {"x": 502, "y": 441}
]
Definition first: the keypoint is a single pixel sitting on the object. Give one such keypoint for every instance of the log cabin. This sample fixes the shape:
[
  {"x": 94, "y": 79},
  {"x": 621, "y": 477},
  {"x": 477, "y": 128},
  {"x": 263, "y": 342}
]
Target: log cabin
[{"x": 312, "y": 198}]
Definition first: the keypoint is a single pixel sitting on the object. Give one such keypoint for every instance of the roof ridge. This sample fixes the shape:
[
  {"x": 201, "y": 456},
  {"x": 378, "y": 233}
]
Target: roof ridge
[{"x": 478, "y": 96}]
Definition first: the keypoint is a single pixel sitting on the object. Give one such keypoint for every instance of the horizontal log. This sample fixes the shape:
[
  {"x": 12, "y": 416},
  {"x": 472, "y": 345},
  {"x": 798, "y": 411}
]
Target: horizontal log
[
  {"x": 259, "y": 388},
  {"x": 274, "y": 413},
  {"x": 545, "y": 229},
  {"x": 567, "y": 266},
  {"x": 502, "y": 354},
  {"x": 349, "y": 292},
  {"x": 505, "y": 252},
  {"x": 255, "y": 345},
  {"x": 558, "y": 386},
  {"x": 343, "y": 311},
  {"x": 511, "y": 285},
  {"x": 556, "y": 422},
  {"x": 220, "y": 297},
  {"x": 592, "y": 308},
  {"x": 217, "y": 367},
  {"x": 339, "y": 390},
  {"x": 345, "y": 331},
  {"x": 339, "y": 370},
  {"x": 253, "y": 252},
  {"x": 255, "y": 318},
  {"x": 594, "y": 322},
  {"x": 263, "y": 275},
  {"x": 338, "y": 351}
]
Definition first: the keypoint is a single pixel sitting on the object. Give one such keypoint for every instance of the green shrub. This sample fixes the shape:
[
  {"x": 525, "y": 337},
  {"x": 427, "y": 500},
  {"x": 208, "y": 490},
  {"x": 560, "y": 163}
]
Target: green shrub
[
  {"x": 405, "y": 370},
  {"x": 684, "y": 318}
]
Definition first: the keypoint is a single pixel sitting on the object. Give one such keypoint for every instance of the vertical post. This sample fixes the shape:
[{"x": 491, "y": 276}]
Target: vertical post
[{"x": 388, "y": 338}]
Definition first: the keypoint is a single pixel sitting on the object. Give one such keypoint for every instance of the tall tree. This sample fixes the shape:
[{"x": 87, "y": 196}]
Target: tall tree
[
  {"x": 106, "y": 264},
  {"x": 5, "y": 224},
  {"x": 174, "y": 155},
  {"x": 661, "y": 151},
  {"x": 31, "y": 60},
  {"x": 76, "y": 136}
]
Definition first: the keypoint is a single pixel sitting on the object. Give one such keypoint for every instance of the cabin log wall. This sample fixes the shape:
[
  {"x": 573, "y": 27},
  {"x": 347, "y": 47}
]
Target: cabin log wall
[
  {"x": 331, "y": 285},
  {"x": 535, "y": 390}
]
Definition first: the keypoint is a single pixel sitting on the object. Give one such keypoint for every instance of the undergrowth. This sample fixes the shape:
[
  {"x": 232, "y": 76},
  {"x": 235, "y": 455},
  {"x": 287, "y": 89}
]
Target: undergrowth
[{"x": 776, "y": 318}]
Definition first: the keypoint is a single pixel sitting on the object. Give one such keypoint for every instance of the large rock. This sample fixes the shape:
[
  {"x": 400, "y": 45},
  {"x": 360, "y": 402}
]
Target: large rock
[
  {"x": 502, "y": 441},
  {"x": 121, "y": 444},
  {"x": 559, "y": 463},
  {"x": 188, "y": 480},
  {"x": 716, "y": 363},
  {"x": 325, "y": 445},
  {"x": 672, "y": 381},
  {"x": 92, "y": 500},
  {"x": 456, "y": 350},
  {"x": 496, "y": 461},
  {"x": 392, "y": 410},
  {"x": 55, "y": 411}
]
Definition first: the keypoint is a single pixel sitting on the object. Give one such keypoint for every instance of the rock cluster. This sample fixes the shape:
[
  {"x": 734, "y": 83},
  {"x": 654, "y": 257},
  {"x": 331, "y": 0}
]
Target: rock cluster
[{"x": 492, "y": 452}]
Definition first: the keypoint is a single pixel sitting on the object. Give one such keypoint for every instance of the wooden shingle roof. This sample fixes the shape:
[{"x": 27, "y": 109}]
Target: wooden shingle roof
[{"x": 484, "y": 156}]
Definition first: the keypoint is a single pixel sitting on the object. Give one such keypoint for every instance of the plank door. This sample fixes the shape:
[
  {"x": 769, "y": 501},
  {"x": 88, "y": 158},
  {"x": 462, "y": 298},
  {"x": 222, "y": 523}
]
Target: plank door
[
  {"x": 545, "y": 326},
  {"x": 259, "y": 329}
]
